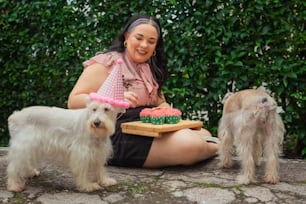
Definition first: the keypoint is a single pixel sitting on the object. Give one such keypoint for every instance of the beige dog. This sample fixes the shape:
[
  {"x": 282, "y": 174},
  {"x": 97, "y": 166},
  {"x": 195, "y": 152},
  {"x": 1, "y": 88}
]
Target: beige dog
[
  {"x": 250, "y": 122},
  {"x": 78, "y": 139}
]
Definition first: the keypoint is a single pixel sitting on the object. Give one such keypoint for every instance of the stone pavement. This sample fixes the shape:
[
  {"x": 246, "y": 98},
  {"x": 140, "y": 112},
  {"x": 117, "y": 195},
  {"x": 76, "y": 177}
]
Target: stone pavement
[{"x": 200, "y": 183}]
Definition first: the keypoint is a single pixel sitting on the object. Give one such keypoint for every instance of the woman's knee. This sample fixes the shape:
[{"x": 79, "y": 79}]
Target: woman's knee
[
  {"x": 182, "y": 148},
  {"x": 192, "y": 152}
]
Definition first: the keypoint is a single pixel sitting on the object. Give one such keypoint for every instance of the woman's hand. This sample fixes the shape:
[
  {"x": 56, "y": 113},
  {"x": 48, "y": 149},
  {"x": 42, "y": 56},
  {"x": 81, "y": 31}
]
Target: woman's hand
[{"x": 131, "y": 98}]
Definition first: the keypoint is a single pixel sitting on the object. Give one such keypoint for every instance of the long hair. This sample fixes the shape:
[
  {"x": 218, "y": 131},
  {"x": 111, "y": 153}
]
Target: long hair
[{"x": 157, "y": 63}]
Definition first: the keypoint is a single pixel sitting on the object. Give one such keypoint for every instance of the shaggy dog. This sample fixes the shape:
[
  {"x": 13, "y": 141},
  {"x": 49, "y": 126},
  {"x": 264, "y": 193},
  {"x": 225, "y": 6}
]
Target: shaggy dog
[
  {"x": 250, "y": 123},
  {"x": 79, "y": 139}
]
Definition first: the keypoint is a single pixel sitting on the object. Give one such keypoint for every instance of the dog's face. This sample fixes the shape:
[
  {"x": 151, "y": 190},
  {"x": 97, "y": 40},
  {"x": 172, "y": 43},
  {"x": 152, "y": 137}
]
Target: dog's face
[
  {"x": 251, "y": 104},
  {"x": 265, "y": 107},
  {"x": 101, "y": 118}
]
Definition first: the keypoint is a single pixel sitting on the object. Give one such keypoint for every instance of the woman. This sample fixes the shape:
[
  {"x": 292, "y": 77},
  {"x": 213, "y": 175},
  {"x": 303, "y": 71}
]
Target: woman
[{"x": 140, "y": 45}]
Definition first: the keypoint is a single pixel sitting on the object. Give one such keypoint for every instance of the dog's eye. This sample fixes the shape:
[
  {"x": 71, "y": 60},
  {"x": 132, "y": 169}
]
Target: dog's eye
[
  {"x": 94, "y": 109},
  {"x": 106, "y": 109},
  {"x": 264, "y": 100}
]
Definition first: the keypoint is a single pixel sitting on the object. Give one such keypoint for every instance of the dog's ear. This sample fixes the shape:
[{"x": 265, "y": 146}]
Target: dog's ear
[
  {"x": 279, "y": 109},
  {"x": 227, "y": 95}
]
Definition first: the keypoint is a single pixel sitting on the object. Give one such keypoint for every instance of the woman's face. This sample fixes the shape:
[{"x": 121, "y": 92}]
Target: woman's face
[{"x": 141, "y": 42}]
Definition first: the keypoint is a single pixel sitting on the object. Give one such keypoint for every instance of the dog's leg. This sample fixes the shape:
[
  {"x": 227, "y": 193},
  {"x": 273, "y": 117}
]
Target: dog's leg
[
  {"x": 15, "y": 182},
  {"x": 83, "y": 183},
  {"x": 17, "y": 174},
  {"x": 104, "y": 179},
  {"x": 225, "y": 149},
  {"x": 79, "y": 165},
  {"x": 34, "y": 173},
  {"x": 257, "y": 151},
  {"x": 271, "y": 151},
  {"x": 99, "y": 163},
  {"x": 20, "y": 166},
  {"x": 245, "y": 151}
]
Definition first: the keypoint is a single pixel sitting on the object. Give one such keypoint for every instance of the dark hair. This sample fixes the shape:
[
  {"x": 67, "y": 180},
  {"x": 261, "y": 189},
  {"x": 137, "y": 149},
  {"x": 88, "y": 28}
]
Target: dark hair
[{"x": 158, "y": 63}]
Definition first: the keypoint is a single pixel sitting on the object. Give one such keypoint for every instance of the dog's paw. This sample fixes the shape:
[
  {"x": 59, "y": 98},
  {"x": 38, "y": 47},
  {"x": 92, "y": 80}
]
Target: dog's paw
[
  {"x": 225, "y": 164},
  {"x": 34, "y": 173},
  {"x": 14, "y": 187},
  {"x": 245, "y": 180},
  {"x": 90, "y": 187},
  {"x": 270, "y": 179},
  {"x": 108, "y": 182}
]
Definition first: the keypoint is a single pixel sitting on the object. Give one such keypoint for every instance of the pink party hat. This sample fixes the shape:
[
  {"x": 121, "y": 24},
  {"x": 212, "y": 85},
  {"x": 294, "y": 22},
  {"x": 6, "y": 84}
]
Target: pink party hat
[{"x": 112, "y": 90}]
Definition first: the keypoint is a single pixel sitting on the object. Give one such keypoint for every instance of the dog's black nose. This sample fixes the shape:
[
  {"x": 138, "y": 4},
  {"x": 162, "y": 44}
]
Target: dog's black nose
[{"x": 97, "y": 122}]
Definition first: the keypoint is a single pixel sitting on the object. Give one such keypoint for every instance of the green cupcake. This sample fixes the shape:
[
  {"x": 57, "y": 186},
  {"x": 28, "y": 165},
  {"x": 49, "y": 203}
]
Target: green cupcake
[
  {"x": 173, "y": 116},
  {"x": 145, "y": 115},
  {"x": 158, "y": 116}
]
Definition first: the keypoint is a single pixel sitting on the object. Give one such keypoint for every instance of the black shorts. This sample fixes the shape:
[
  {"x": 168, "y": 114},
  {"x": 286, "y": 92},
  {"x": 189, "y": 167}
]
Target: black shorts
[{"x": 129, "y": 150}]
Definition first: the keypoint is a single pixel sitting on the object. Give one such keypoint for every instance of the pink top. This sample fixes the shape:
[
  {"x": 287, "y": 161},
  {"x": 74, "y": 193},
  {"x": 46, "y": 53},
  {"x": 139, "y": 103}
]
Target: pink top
[{"x": 137, "y": 78}]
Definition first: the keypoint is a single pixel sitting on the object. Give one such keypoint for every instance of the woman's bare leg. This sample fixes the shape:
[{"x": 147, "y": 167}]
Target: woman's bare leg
[{"x": 183, "y": 147}]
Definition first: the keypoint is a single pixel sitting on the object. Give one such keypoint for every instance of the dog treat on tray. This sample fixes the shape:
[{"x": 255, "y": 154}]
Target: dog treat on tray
[{"x": 159, "y": 116}]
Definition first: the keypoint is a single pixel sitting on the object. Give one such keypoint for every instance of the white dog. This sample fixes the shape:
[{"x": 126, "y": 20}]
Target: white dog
[
  {"x": 251, "y": 123},
  {"x": 79, "y": 139}
]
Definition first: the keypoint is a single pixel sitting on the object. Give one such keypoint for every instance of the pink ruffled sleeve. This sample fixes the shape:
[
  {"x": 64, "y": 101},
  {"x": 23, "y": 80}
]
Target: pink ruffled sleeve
[{"x": 106, "y": 59}]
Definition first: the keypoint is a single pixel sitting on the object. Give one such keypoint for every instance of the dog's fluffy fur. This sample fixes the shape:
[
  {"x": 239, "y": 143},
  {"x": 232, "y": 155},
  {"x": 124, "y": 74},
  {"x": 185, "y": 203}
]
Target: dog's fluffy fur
[
  {"x": 79, "y": 139},
  {"x": 251, "y": 123}
]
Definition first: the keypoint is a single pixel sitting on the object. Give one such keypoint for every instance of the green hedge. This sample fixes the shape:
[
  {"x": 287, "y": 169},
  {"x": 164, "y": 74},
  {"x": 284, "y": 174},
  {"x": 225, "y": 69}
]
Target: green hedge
[{"x": 213, "y": 47}]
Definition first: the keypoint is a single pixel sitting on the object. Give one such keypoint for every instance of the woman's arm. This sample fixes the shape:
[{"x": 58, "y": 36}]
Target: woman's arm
[
  {"x": 89, "y": 81},
  {"x": 161, "y": 102}
]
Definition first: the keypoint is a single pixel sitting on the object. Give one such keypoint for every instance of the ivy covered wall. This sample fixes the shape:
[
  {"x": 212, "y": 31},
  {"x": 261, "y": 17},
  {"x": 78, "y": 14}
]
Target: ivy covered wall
[{"x": 213, "y": 47}]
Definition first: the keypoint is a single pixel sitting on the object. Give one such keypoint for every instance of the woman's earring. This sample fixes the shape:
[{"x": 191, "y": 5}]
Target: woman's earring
[
  {"x": 154, "y": 52},
  {"x": 124, "y": 43}
]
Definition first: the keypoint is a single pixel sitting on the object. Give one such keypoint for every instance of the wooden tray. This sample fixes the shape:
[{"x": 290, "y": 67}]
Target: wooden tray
[{"x": 150, "y": 130}]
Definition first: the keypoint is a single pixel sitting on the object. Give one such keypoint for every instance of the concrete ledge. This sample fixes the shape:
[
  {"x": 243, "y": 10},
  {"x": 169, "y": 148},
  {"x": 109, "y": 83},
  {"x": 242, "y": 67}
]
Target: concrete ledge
[
  {"x": 200, "y": 183},
  {"x": 3, "y": 150}
]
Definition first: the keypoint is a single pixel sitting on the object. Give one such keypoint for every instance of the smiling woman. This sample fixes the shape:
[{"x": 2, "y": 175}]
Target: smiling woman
[
  {"x": 141, "y": 42},
  {"x": 140, "y": 45}
]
